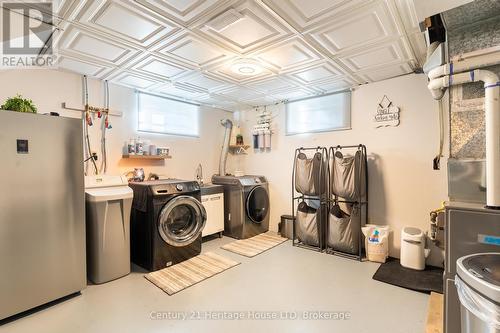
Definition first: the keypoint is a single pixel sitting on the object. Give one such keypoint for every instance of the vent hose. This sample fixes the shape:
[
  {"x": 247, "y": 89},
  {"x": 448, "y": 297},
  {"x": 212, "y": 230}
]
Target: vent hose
[{"x": 228, "y": 124}]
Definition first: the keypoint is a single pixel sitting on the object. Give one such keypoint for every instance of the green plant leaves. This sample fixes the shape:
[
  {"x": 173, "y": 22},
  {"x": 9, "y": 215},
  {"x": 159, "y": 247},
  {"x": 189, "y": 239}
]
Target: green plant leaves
[{"x": 19, "y": 104}]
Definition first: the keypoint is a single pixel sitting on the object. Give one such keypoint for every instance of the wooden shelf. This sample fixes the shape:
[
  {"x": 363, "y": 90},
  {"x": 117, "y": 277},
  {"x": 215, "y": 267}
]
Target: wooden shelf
[
  {"x": 239, "y": 146},
  {"x": 147, "y": 157},
  {"x": 236, "y": 149}
]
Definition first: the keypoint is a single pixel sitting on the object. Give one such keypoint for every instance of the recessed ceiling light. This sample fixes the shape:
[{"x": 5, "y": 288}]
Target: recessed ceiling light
[{"x": 246, "y": 67}]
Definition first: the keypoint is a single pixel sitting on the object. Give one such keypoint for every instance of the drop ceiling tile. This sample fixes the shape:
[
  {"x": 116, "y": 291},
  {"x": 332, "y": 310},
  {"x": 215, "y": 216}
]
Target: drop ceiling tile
[
  {"x": 178, "y": 90},
  {"x": 273, "y": 85},
  {"x": 88, "y": 44},
  {"x": 335, "y": 85},
  {"x": 288, "y": 54},
  {"x": 182, "y": 11},
  {"x": 81, "y": 66},
  {"x": 264, "y": 100},
  {"x": 224, "y": 71},
  {"x": 317, "y": 73},
  {"x": 151, "y": 65},
  {"x": 256, "y": 29},
  {"x": 239, "y": 93},
  {"x": 193, "y": 50},
  {"x": 126, "y": 20},
  {"x": 380, "y": 56},
  {"x": 386, "y": 72},
  {"x": 133, "y": 80},
  {"x": 369, "y": 26},
  {"x": 294, "y": 94},
  {"x": 306, "y": 14},
  {"x": 204, "y": 82}
]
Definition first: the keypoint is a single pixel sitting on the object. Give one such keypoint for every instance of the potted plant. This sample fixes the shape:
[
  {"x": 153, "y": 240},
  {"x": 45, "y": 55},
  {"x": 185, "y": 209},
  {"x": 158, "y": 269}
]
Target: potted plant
[{"x": 19, "y": 104}]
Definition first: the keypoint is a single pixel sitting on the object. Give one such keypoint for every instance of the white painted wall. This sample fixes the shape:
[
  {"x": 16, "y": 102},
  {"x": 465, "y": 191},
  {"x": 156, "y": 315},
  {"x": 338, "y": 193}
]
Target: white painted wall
[
  {"x": 403, "y": 187},
  {"x": 49, "y": 88}
]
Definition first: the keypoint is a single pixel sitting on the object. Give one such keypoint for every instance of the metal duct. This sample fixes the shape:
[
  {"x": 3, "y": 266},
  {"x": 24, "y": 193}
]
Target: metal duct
[{"x": 228, "y": 124}]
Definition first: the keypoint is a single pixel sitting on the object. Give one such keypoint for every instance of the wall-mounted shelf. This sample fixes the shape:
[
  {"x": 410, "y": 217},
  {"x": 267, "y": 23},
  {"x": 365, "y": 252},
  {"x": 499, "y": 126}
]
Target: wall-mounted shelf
[
  {"x": 147, "y": 157},
  {"x": 238, "y": 149}
]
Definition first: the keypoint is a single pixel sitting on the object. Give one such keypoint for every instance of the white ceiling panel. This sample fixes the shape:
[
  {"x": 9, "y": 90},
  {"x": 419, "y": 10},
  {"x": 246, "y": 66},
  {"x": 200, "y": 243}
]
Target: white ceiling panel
[
  {"x": 273, "y": 85},
  {"x": 85, "y": 67},
  {"x": 204, "y": 82},
  {"x": 335, "y": 85},
  {"x": 133, "y": 80},
  {"x": 227, "y": 73},
  {"x": 364, "y": 28},
  {"x": 126, "y": 20},
  {"x": 386, "y": 73},
  {"x": 239, "y": 93},
  {"x": 194, "y": 50},
  {"x": 256, "y": 29},
  {"x": 317, "y": 73},
  {"x": 393, "y": 52},
  {"x": 305, "y": 14},
  {"x": 182, "y": 11},
  {"x": 298, "y": 48},
  {"x": 92, "y": 45},
  {"x": 289, "y": 54},
  {"x": 151, "y": 65},
  {"x": 178, "y": 90}
]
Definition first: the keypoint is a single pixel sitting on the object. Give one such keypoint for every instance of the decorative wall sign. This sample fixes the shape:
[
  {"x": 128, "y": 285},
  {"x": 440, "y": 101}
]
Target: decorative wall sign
[{"x": 387, "y": 114}]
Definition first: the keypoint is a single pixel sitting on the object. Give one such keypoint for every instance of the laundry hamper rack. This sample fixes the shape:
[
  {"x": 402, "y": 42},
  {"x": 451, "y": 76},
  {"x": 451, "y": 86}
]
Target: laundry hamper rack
[
  {"x": 301, "y": 197},
  {"x": 359, "y": 202}
]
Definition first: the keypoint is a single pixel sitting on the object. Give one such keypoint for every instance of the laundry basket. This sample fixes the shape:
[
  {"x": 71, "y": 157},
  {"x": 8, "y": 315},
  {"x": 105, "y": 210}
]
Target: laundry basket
[
  {"x": 477, "y": 282},
  {"x": 307, "y": 224},
  {"x": 343, "y": 229}
]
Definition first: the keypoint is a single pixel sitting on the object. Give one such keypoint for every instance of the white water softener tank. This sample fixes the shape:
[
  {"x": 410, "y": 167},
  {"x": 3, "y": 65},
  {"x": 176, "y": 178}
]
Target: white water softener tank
[
  {"x": 108, "y": 204},
  {"x": 413, "y": 251}
]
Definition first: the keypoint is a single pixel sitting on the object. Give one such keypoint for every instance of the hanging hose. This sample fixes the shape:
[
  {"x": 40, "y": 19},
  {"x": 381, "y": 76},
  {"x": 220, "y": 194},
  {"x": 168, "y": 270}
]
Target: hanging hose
[
  {"x": 104, "y": 127},
  {"x": 437, "y": 160},
  {"x": 88, "y": 121}
]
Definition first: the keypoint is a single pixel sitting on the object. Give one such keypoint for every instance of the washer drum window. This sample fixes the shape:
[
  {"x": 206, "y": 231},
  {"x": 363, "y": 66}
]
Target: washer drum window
[{"x": 181, "y": 220}]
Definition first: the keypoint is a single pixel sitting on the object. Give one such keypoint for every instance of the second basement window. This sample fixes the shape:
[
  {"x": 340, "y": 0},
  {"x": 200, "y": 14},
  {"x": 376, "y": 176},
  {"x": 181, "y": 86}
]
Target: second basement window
[{"x": 319, "y": 114}]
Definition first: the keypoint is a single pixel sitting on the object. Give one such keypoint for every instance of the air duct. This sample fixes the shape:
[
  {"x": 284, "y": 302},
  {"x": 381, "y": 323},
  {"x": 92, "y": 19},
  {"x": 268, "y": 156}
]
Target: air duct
[
  {"x": 465, "y": 71},
  {"x": 228, "y": 124}
]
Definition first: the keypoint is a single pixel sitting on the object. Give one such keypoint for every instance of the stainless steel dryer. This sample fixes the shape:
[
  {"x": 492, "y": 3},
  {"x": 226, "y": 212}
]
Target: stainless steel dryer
[{"x": 246, "y": 205}]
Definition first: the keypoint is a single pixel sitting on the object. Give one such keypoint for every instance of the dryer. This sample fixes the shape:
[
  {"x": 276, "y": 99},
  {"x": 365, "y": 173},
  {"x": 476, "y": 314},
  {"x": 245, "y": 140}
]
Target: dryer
[
  {"x": 166, "y": 222},
  {"x": 246, "y": 205}
]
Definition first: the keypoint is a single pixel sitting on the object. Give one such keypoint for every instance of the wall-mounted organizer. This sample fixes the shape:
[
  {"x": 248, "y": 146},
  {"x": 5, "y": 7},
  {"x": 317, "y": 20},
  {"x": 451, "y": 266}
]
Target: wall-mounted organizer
[
  {"x": 309, "y": 197},
  {"x": 330, "y": 199},
  {"x": 261, "y": 133},
  {"x": 348, "y": 200}
]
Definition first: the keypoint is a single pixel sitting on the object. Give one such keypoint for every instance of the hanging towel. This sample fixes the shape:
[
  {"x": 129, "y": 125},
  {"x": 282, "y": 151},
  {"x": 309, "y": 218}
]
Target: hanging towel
[
  {"x": 344, "y": 229},
  {"x": 308, "y": 174},
  {"x": 345, "y": 176},
  {"x": 307, "y": 224}
]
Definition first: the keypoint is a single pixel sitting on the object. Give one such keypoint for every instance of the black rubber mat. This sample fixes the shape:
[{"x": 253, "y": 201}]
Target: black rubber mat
[{"x": 430, "y": 279}]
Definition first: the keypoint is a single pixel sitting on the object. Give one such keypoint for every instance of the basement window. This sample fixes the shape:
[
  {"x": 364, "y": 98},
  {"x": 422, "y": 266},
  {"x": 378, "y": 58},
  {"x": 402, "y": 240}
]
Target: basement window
[
  {"x": 319, "y": 114},
  {"x": 167, "y": 116}
]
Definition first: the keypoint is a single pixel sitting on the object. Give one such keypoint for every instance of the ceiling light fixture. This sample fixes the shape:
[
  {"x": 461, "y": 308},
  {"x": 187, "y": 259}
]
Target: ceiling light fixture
[{"x": 246, "y": 67}]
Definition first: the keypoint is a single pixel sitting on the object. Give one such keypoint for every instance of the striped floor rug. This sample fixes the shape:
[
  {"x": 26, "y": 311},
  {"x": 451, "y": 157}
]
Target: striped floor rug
[
  {"x": 256, "y": 245},
  {"x": 187, "y": 273}
]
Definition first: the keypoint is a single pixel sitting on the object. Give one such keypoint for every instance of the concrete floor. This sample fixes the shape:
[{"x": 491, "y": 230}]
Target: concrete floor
[{"x": 286, "y": 278}]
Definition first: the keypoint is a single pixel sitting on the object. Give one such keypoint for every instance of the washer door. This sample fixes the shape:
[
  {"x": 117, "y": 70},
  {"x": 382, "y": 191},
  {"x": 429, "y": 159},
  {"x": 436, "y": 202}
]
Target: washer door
[
  {"x": 257, "y": 205},
  {"x": 181, "y": 220}
]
